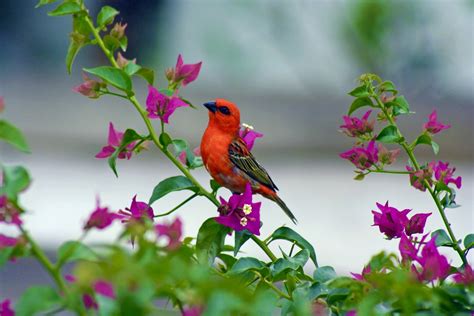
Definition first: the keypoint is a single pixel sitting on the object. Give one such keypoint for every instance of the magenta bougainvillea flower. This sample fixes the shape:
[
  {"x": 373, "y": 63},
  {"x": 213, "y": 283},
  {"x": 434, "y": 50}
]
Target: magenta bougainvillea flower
[
  {"x": 444, "y": 174},
  {"x": 101, "y": 218},
  {"x": 433, "y": 126},
  {"x": 137, "y": 211},
  {"x": 240, "y": 212},
  {"x": 186, "y": 73},
  {"x": 248, "y": 135},
  {"x": 417, "y": 177},
  {"x": 390, "y": 221},
  {"x": 433, "y": 264},
  {"x": 356, "y": 127},
  {"x": 416, "y": 224},
  {"x": 407, "y": 248},
  {"x": 161, "y": 106},
  {"x": 5, "y": 309},
  {"x": 6, "y": 241},
  {"x": 192, "y": 311},
  {"x": 114, "y": 140},
  {"x": 100, "y": 287},
  {"x": 465, "y": 277},
  {"x": 173, "y": 231},
  {"x": 8, "y": 212},
  {"x": 362, "y": 157},
  {"x": 362, "y": 275},
  {"x": 387, "y": 157},
  {"x": 90, "y": 87},
  {"x": 104, "y": 288}
]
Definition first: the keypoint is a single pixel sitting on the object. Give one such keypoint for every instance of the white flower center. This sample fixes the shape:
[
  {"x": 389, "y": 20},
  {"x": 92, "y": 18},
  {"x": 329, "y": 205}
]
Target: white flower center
[
  {"x": 243, "y": 221},
  {"x": 247, "y": 209},
  {"x": 247, "y": 126}
]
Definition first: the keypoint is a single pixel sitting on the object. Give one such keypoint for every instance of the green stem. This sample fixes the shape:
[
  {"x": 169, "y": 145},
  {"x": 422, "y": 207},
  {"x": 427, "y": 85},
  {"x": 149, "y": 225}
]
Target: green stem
[
  {"x": 412, "y": 157},
  {"x": 177, "y": 207},
  {"x": 115, "y": 94},
  {"x": 45, "y": 262},
  {"x": 264, "y": 247},
  {"x": 389, "y": 171},
  {"x": 155, "y": 139},
  {"x": 273, "y": 286}
]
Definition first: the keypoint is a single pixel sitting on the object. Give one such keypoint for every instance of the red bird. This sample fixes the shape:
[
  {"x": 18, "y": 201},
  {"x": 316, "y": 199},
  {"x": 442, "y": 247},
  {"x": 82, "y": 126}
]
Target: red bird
[{"x": 227, "y": 158}]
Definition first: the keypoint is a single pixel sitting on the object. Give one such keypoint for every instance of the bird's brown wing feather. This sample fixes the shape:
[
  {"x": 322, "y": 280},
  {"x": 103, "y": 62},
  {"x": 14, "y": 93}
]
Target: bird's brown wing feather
[{"x": 243, "y": 159}]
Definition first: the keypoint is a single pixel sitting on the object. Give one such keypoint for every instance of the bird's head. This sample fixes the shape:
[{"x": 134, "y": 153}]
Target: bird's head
[{"x": 224, "y": 115}]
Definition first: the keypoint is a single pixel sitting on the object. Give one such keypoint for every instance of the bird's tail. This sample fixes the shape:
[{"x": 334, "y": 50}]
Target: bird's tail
[{"x": 283, "y": 206}]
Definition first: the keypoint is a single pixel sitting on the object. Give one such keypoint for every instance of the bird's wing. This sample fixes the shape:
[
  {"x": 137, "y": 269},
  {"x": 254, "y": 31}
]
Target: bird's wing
[{"x": 243, "y": 159}]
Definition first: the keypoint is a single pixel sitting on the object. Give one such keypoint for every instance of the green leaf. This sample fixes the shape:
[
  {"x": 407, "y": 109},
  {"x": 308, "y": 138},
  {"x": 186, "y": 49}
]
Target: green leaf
[
  {"x": 165, "y": 140},
  {"x": 247, "y": 264},
  {"x": 177, "y": 183},
  {"x": 442, "y": 238},
  {"x": 5, "y": 254},
  {"x": 281, "y": 266},
  {"x": 167, "y": 92},
  {"x": 128, "y": 137},
  {"x": 12, "y": 135},
  {"x": 131, "y": 68},
  {"x": 106, "y": 16},
  {"x": 469, "y": 241},
  {"x": 424, "y": 139},
  {"x": 123, "y": 43},
  {"x": 400, "y": 105},
  {"x": 360, "y": 102},
  {"x": 73, "y": 251},
  {"x": 214, "y": 185},
  {"x": 240, "y": 238},
  {"x": 37, "y": 299},
  {"x": 388, "y": 86},
  {"x": 112, "y": 43},
  {"x": 72, "y": 52},
  {"x": 44, "y": 2},
  {"x": 210, "y": 240},
  {"x": 179, "y": 145},
  {"x": 435, "y": 147},
  {"x": 361, "y": 91},
  {"x": 286, "y": 233},
  {"x": 15, "y": 180},
  {"x": 147, "y": 74},
  {"x": 359, "y": 176},
  {"x": 188, "y": 102},
  {"x": 389, "y": 135},
  {"x": 66, "y": 8},
  {"x": 116, "y": 77},
  {"x": 324, "y": 274}
]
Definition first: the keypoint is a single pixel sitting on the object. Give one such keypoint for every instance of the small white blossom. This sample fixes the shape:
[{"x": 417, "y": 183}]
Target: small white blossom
[{"x": 247, "y": 209}]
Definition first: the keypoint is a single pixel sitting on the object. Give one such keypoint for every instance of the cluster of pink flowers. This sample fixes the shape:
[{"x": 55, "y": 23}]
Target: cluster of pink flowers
[
  {"x": 440, "y": 170},
  {"x": 358, "y": 127},
  {"x": 99, "y": 287},
  {"x": 162, "y": 106},
  {"x": 240, "y": 212},
  {"x": 138, "y": 212},
  {"x": 394, "y": 223},
  {"x": 9, "y": 215}
]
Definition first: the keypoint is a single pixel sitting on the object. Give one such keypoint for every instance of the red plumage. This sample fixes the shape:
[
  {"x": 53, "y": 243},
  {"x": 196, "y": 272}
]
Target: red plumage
[{"x": 227, "y": 158}]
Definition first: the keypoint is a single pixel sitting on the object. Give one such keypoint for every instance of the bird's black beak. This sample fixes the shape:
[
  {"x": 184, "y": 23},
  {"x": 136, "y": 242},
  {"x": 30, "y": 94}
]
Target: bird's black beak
[{"x": 211, "y": 106}]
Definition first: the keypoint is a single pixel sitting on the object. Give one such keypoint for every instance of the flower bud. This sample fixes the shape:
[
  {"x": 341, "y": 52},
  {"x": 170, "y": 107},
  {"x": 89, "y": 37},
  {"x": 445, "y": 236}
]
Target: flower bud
[
  {"x": 169, "y": 73},
  {"x": 122, "y": 61},
  {"x": 118, "y": 31}
]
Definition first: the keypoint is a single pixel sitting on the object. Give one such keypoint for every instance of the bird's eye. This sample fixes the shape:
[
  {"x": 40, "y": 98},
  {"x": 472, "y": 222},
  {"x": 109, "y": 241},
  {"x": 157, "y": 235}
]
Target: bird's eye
[{"x": 224, "y": 110}]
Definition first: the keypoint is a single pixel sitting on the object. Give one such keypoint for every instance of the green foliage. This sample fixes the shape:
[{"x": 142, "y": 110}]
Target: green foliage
[
  {"x": 172, "y": 184},
  {"x": 147, "y": 74},
  {"x": 389, "y": 135},
  {"x": 15, "y": 180},
  {"x": 106, "y": 16},
  {"x": 12, "y": 135},
  {"x": 66, "y": 8},
  {"x": 399, "y": 105},
  {"x": 74, "y": 251},
  {"x": 442, "y": 238},
  {"x": 116, "y": 77},
  {"x": 360, "y": 92},
  {"x": 210, "y": 240},
  {"x": 129, "y": 137},
  {"x": 324, "y": 274},
  {"x": 359, "y": 103},
  {"x": 469, "y": 241},
  {"x": 37, "y": 299},
  {"x": 286, "y": 233}
]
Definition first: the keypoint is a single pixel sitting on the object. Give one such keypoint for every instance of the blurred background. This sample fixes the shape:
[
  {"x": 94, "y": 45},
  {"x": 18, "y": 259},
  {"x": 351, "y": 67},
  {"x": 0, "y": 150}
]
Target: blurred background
[{"x": 287, "y": 65}]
